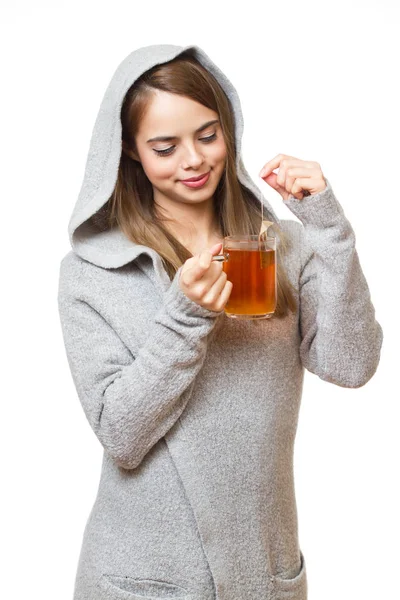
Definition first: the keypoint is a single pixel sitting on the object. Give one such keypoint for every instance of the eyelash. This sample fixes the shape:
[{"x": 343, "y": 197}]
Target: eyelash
[{"x": 169, "y": 150}]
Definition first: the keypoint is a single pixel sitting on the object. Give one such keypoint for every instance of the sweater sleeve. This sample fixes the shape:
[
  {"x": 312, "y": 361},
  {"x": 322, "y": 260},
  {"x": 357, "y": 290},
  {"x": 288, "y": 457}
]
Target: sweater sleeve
[
  {"x": 340, "y": 338},
  {"x": 132, "y": 401}
]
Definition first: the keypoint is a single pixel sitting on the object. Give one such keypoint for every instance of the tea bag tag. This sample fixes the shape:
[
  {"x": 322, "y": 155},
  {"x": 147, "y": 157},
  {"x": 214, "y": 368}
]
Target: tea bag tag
[{"x": 264, "y": 229}]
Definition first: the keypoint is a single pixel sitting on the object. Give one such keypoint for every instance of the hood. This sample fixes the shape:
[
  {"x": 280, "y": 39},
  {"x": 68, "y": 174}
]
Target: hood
[{"x": 110, "y": 248}]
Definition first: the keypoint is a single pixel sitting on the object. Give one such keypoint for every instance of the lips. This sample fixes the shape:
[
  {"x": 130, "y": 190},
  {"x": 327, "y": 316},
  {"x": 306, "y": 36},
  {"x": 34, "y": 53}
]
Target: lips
[{"x": 196, "y": 178}]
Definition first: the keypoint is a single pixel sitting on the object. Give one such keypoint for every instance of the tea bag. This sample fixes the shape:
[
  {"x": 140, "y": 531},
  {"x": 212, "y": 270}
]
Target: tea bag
[{"x": 264, "y": 228}]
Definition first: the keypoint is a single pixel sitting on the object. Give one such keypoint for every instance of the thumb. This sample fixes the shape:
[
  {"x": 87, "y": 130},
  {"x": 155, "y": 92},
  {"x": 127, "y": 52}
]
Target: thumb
[
  {"x": 271, "y": 180},
  {"x": 216, "y": 248}
]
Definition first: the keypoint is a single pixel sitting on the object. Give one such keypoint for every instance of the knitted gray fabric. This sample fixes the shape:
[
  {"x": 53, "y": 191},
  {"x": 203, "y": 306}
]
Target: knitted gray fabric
[{"x": 197, "y": 413}]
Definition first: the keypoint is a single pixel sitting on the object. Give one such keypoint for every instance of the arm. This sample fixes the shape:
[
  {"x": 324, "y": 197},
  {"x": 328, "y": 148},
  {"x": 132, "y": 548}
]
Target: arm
[
  {"x": 132, "y": 401},
  {"x": 340, "y": 337}
]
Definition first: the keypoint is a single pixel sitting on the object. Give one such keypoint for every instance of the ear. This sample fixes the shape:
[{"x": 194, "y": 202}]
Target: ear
[{"x": 131, "y": 153}]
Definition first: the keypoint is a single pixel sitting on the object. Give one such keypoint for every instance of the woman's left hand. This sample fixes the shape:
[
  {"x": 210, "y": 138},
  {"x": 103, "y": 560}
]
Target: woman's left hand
[{"x": 296, "y": 177}]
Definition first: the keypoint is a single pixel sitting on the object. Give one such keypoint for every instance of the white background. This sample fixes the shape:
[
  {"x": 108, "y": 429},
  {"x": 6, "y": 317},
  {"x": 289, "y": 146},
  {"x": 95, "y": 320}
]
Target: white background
[{"x": 317, "y": 80}]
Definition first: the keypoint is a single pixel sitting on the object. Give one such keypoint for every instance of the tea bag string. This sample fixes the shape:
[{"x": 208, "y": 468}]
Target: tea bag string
[
  {"x": 263, "y": 229},
  {"x": 264, "y": 226}
]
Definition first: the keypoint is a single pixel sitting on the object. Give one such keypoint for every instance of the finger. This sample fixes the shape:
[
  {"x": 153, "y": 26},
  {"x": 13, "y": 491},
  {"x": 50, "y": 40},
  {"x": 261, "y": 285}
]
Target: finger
[
  {"x": 302, "y": 171},
  {"x": 281, "y": 176},
  {"x": 215, "y": 290},
  {"x": 271, "y": 180},
  {"x": 276, "y": 163},
  {"x": 224, "y": 296},
  {"x": 213, "y": 250},
  {"x": 294, "y": 172},
  {"x": 301, "y": 184},
  {"x": 305, "y": 170},
  {"x": 216, "y": 248},
  {"x": 271, "y": 165},
  {"x": 286, "y": 164},
  {"x": 203, "y": 264}
]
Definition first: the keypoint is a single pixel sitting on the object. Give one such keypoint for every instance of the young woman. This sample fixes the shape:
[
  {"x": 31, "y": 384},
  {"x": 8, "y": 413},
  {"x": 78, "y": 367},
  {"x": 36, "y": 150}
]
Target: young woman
[{"x": 196, "y": 412}]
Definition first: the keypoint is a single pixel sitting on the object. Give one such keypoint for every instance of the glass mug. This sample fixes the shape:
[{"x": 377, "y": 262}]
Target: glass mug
[{"x": 250, "y": 264}]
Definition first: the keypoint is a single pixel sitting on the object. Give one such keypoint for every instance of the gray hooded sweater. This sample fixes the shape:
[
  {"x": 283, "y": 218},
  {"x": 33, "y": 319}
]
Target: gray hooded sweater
[{"x": 197, "y": 413}]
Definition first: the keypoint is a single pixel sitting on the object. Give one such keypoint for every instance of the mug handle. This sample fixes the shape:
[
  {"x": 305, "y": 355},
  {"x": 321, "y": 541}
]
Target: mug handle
[{"x": 221, "y": 257}]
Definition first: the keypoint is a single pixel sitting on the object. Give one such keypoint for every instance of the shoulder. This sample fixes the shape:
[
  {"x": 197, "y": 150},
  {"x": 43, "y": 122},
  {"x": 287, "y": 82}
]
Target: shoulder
[
  {"x": 296, "y": 234},
  {"x": 291, "y": 227},
  {"x": 292, "y": 235},
  {"x": 77, "y": 276},
  {"x": 71, "y": 261},
  {"x": 81, "y": 279},
  {"x": 70, "y": 272}
]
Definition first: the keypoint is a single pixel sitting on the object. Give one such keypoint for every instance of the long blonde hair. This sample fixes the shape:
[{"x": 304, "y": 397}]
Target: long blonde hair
[{"x": 131, "y": 205}]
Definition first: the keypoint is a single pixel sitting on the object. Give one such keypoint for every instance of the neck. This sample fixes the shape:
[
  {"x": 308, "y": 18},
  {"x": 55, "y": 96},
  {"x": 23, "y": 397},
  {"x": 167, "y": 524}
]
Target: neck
[{"x": 194, "y": 225}]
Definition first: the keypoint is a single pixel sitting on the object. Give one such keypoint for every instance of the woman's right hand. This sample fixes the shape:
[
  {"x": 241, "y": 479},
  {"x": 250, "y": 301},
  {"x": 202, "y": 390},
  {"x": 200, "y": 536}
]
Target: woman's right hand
[{"x": 204, "y": 281}]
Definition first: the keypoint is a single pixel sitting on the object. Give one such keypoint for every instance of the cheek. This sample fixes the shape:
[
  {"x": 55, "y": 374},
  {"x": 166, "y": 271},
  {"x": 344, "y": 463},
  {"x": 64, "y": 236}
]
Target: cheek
[
  {"x": 157, "y": 168},
  {"x": 219, "y": 153}
]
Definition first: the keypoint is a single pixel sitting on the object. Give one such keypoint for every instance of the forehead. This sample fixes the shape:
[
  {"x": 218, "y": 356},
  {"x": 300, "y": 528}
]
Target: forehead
[{"x": 171, "y": 114}]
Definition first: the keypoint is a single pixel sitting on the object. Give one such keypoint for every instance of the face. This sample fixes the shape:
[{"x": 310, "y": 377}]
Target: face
[{"x": 192, "y": 149}]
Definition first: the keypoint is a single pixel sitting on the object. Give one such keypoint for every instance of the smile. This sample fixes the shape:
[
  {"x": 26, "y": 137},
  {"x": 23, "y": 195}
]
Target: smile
[{"x": 197, "y": 184}]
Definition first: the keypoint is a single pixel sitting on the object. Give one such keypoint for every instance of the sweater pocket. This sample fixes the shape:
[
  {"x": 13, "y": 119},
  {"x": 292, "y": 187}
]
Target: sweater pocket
[
  {"x": 119, "y": 587},
  {"x": 294, "y": 588}
]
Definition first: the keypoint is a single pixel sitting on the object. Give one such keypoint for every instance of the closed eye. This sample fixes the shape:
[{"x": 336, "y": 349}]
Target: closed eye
[{"x": 169, "y": 150}]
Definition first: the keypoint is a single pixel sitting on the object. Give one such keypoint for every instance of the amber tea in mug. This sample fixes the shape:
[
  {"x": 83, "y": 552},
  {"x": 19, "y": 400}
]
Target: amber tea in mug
[{"x": 250, "y": 264}]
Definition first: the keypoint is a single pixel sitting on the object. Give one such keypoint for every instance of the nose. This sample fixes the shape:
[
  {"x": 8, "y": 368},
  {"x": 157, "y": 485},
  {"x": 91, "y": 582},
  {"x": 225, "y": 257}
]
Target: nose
[{"x": 192, "y": 158}]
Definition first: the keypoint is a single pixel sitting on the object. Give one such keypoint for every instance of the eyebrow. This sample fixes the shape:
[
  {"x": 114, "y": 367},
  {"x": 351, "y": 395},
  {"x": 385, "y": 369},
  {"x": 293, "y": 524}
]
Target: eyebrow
[{"x": 167, "y": 138}]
